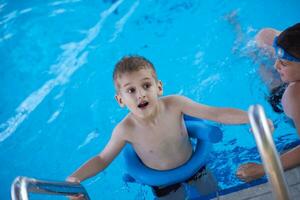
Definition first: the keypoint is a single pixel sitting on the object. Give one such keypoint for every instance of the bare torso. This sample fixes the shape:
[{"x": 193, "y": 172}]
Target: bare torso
[{"x": 162, "y": 143}]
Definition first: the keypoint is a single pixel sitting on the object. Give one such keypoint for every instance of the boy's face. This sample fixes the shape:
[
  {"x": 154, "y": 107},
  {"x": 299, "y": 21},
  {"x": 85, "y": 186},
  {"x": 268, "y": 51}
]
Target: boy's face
[
  {"x": 289, "y": 71},
  {"x": 139, "y": 91}
]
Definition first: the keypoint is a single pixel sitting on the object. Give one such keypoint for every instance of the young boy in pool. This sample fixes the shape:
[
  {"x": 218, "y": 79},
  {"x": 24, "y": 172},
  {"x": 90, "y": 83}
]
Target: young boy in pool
[
  {"x": 155, "y": 127},
  {"x": 286, "y": 47}
]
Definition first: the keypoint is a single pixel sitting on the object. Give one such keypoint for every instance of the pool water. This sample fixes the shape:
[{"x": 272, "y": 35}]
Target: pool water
[{"x": 57, "y": 106}]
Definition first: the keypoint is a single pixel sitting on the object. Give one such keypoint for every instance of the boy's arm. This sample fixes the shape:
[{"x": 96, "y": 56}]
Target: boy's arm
[
  {"x": 223, "y": 115},
  {"x": 102, "y": 160}
]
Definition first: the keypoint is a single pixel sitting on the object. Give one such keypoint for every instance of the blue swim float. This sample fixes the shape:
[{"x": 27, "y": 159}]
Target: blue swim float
[{"x": 205, "y": 135}]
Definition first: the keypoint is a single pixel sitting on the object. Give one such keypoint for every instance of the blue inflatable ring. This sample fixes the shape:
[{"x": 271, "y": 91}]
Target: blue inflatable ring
[{"x": 138, "y": 172}]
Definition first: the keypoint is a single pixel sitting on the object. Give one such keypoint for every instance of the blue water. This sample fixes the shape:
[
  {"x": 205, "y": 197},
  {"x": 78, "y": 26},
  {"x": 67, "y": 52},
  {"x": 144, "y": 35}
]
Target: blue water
[{"x": 57, "y": 106}]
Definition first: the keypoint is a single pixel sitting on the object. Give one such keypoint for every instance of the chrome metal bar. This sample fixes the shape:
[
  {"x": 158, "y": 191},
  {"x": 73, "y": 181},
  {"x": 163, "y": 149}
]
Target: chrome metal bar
[
  {"x": 22, "y": 185},
  {"x": 268, "y": 152}
]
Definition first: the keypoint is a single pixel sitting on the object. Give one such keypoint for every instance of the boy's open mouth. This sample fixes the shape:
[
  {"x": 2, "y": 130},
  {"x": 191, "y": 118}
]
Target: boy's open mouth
[{"x": 143, "y": 104}]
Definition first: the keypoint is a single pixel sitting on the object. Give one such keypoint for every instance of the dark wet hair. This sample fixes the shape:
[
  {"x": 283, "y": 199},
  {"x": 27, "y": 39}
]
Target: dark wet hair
[
  {"x": 130, "y": 64},
  {"x": 275, "y": 98},
  {"x": 289, "y": 40}
]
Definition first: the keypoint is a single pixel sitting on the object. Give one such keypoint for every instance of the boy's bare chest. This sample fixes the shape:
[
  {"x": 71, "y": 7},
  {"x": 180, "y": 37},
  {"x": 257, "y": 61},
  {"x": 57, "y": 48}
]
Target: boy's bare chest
[
  {"x": 164, "y": 146},
  {"x": 169, "y": 132},
  {"x": 162, "y": 132}
]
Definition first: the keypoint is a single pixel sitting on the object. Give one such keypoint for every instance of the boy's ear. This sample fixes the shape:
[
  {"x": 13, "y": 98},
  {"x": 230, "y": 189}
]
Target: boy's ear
[
  {"x": 160, "y": 88},
  {"x": 119, "y": 100}
]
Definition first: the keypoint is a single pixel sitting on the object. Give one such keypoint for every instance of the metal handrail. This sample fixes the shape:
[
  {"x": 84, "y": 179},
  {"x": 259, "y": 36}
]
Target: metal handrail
[
  {"x": 22, "y": 185},
  {"x": 268, "y": 152}
]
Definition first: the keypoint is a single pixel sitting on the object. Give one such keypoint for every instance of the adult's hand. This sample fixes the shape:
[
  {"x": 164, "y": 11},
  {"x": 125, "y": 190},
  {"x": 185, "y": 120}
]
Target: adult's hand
[{"x": 250, "y": 171}]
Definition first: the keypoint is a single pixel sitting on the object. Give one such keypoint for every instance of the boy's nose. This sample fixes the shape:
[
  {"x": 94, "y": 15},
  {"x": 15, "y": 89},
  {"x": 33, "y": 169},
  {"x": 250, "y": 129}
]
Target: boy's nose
[{"x": 140, "y": 94}]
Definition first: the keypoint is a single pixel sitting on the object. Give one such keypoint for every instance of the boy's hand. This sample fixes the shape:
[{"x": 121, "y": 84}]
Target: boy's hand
[
  {"x": 79, "y": 197},
  {"x": 75, "y": 180}
]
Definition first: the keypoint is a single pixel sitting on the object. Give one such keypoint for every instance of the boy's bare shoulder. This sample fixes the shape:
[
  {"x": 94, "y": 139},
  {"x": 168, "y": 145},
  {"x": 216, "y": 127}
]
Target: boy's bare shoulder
[
  {"x": 125, "y": 126},
  {"x": 173, "y": 99},
  {"x": 174, "y": 102}
]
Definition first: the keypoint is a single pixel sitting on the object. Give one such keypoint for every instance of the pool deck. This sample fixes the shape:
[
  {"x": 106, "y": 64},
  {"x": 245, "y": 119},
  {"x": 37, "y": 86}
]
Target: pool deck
[{"x": 263, "y": 191}]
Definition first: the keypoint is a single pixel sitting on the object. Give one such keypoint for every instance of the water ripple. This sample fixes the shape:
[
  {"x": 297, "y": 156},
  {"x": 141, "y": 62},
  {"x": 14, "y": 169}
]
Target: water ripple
[
  {"x": 120, "y": 24},
  {"x": 69, "y": 62}
]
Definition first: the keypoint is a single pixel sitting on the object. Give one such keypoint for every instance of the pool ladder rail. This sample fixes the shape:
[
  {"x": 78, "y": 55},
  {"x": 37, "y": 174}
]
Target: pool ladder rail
[
  {"x": 22, "y": 185},
  {"x": 268, "y": 152},
  {"x": 265, "y": 144}
]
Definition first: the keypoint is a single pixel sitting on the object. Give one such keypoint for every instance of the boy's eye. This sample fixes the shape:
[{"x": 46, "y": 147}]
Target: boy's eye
[
  {"x": 130, "y": 90},
  {"x": 146, "y": 85}
]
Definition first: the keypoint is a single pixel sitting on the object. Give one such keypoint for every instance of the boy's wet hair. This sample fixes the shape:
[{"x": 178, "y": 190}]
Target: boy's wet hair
[
  {"x": 130, "y": 64},
  {"x": 289, "y": 40}
]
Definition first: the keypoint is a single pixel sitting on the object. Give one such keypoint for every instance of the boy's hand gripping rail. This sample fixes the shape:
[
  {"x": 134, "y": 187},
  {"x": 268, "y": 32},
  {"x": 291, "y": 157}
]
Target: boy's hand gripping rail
[
  {"x": 22, "y": 185},
  {"x": 268, "y": 152}
]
